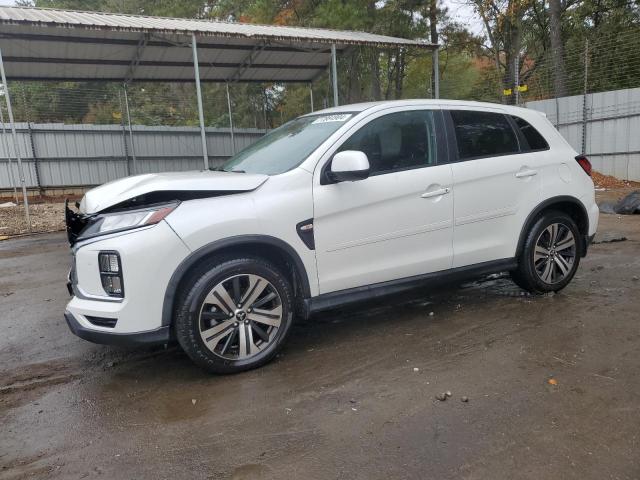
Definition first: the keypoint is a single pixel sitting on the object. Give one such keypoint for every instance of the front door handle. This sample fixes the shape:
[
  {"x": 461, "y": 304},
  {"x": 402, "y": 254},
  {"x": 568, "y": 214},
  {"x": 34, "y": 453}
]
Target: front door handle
[
  {"x": 436, "y": 193},
  {"x": 526, "y": 173}
]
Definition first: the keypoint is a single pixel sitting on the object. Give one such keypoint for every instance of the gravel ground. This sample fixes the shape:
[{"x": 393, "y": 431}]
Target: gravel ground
[
  {"x": 45, "y": 217},
  {"x": 607, "y": 181}
]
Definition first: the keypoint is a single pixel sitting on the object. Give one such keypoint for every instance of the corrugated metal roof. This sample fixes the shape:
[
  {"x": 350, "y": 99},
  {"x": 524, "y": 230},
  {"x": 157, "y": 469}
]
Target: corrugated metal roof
[
  {"x": 136, "y": 23},
  {"x": 46, "y": 44}
]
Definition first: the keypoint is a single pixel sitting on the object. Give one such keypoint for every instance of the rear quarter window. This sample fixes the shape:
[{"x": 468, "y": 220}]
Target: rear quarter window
[
  {"x": 483, "y": 134},
  {"x": 533, "y": 138}
]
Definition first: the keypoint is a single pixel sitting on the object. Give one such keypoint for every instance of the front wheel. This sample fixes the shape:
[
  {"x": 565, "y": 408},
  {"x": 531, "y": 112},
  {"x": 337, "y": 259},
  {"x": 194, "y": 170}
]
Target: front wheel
[
  {"x": 234, "y": 316},
  {"x": 551, "y": 254}
]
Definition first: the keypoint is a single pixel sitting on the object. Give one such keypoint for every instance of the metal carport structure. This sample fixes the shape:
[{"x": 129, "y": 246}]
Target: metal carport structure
[{"x": 59, "y": 45}]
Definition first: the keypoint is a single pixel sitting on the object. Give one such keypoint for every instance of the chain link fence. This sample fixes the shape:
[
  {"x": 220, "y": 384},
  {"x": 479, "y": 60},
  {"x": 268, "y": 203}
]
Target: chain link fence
[{"x": 585, "y": 65}]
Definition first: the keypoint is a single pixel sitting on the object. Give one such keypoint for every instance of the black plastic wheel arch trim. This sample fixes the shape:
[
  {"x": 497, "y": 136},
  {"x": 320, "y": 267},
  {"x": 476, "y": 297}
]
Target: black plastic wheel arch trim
[
  {"x": 211, "y": 248},
  {"x": 331, "y": 300},
  {"x": 549, "y": 202}
]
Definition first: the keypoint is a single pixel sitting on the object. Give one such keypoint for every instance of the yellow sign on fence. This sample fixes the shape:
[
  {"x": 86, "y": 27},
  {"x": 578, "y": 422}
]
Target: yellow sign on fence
[{"x": 508, "y": 91}]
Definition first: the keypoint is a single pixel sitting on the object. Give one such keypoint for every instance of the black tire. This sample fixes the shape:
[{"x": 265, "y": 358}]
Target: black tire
[
  {"x": 530, "y": 272},
  {"x": 191, "y": 305}
]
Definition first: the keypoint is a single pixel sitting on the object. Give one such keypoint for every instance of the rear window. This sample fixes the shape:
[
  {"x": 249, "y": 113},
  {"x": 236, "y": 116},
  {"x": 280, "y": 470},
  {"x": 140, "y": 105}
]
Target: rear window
[
  {"x": 531, "y": 135},
  {"x": 483, "y": 134}
]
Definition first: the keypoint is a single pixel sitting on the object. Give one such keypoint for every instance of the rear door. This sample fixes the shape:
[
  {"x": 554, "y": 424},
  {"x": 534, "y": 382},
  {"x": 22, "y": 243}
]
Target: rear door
[
  {"x": 396, "y": 223},
  {"x": 496, "y": 184}
]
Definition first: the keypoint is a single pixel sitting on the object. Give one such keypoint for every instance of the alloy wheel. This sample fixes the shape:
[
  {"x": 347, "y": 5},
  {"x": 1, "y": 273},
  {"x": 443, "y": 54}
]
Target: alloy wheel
[
  {"x": 554, "y": 253},
  {"x": 240, "y": 317}
]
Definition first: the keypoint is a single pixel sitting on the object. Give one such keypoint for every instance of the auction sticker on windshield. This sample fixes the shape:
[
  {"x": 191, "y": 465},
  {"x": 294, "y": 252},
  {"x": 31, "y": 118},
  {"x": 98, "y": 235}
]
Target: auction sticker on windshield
[{"x": 340, "y": 117}]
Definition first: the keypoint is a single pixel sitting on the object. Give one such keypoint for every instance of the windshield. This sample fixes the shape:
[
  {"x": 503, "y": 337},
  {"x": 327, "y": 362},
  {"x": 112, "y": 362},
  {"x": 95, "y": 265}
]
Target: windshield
[{"x": 288, "y": 146}]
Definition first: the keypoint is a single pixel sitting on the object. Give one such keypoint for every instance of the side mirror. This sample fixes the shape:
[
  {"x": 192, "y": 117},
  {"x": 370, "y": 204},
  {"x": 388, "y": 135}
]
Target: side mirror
[{"x": 349, "y": 166}]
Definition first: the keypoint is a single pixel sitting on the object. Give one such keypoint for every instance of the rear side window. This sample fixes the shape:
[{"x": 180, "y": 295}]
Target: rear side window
[
  {"x": 483, "y": 134},
  {"x": 530, "y": 134}
]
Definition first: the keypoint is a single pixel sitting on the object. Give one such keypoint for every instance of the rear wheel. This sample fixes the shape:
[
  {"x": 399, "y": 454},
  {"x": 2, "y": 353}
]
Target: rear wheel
[
  {"x": 551, "y": 254},
  {"x": 235, "y": 316}
]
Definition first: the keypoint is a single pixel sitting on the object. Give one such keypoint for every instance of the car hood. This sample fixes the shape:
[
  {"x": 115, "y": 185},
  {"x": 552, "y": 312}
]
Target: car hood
[{"x": 174, "y": 184}]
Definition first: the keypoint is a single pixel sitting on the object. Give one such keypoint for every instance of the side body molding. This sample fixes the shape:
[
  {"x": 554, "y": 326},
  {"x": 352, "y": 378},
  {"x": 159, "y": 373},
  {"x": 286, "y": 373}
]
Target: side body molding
[
  {"x": 548, "y": 203},
  {"x": 236, "y": 241}
]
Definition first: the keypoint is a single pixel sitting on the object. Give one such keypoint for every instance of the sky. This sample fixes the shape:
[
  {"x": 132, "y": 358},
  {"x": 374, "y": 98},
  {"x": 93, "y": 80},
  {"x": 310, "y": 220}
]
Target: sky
[
  {"x": 463, "y": 13},
  {"x": 458, "y": 9}
]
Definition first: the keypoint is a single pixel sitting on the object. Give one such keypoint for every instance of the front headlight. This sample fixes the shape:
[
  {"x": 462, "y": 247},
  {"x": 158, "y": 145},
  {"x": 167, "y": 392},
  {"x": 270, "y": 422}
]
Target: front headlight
[{"x": 126, "y": 220}]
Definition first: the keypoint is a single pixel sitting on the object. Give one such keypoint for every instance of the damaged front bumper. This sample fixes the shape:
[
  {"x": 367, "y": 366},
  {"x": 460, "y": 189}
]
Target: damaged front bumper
[
  {"x": 149, "y": 256},
  {"x": 75, "y": 222}
]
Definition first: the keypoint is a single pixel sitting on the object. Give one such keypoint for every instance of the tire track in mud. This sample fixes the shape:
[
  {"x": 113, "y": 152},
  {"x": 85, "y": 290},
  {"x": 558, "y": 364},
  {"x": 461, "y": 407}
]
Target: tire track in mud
[{"x": 23, "y": 385}]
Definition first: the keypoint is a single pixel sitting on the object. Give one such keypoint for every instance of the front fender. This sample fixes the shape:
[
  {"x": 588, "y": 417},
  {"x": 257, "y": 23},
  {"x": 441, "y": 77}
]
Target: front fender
[{"x": 223, "y": 244}]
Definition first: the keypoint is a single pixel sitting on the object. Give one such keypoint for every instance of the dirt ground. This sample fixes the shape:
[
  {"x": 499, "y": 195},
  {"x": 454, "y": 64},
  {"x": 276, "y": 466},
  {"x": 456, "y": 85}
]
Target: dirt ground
[
  {"x": 46, "y": 216},
  {"x": 553, "y": 384}
]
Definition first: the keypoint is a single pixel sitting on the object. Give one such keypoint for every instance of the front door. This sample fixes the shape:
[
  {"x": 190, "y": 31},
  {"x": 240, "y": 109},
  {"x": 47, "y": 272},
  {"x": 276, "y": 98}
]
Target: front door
[{"x": 396, "y": 223}]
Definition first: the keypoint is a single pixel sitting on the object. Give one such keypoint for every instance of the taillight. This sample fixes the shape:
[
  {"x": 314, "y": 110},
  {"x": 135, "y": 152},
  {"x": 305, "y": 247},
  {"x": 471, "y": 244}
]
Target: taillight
[{"x": 584, "y": 162}]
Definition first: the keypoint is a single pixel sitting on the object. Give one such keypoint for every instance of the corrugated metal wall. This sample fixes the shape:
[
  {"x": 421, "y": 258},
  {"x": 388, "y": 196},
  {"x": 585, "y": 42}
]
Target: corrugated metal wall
[
  {"x": 75, "y": 155},
  {"x": 607, "y": 124}
]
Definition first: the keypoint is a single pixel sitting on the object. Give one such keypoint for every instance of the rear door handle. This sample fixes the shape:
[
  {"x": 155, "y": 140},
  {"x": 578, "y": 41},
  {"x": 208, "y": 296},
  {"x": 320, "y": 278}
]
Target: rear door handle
[
  {"x": 526, "y": 173},
  {"x": 436, "y": 193}
]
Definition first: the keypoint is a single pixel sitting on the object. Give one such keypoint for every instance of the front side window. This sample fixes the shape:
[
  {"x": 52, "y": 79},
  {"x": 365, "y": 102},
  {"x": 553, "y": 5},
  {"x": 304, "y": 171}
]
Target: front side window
[
  {"x": 397, "y": 141},
  {"x": 530, "y": 134},
  {"x": 483, "y": 134},
  {"x": 288, "y": 146}
]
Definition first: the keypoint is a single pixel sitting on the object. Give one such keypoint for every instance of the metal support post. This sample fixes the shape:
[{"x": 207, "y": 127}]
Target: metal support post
[
  {"x": 264, "y": 109},
  {"x": 436, "y": 73},
  {"x": 203, "y": 134},
  {"x": 584, "y": 96},
  {"x": 516, "y": 79},
  {"x": 334, "y": 74},
  {"x": 134, "y": 160},
  {"x": 311, "y": 96},
  {"x": 5, "y": 144},
  {"x": 14, "y": 136},
  {"x": 233, "y": 140},
  {"x": 34, "y": 155},
  {"x": 125, "y": 147}
]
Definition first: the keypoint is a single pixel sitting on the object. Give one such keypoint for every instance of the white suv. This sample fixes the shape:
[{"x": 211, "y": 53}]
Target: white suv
[{"x": 334, "y": 207}]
